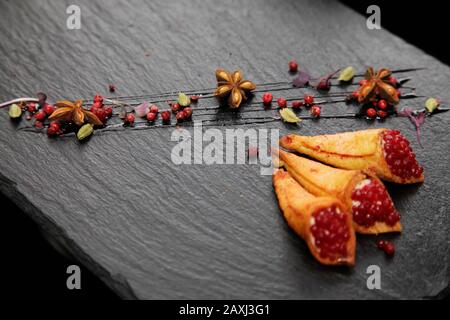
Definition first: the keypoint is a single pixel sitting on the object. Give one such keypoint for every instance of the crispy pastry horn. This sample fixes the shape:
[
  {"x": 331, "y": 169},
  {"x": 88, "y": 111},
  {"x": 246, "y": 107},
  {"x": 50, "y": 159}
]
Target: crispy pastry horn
[
  {"x": 322, "y": 222},
  {"x": 361, "y": 192},
  {"x": 384, "y": 151}
]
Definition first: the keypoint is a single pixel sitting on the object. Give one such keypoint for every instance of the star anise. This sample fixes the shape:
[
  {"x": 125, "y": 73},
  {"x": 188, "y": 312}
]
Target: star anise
[
  {"x": 73, "y": 111},
  {"x": 232, "y": 85},
  {"x": 378, "y": 85}
]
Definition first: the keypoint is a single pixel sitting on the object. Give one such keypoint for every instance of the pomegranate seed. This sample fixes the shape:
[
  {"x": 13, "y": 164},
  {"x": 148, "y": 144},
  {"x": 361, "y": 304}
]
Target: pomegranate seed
[
  {"x": 293, "y": 66},
  {"x": 382, "y": 114},
  {"x": 38, "y": 124},
  {"x": 389, "y": 248},
  {"x": 330, "y": 232},
  {"x": 129, "y": 119},
  {"x": 371, "y": 203},
  {"x": 188, "y": 112},
  {"x": 151, "y": 116},
  {"x": 282, "y": 103},
  {"x": 382, "y": 104},
  {"x": 371, "y": 113},
  {"x": 316, "y": 110},
  {"x": 108, "y": 111},
  {"x": 309, "y": 100},
  {"x": 180, "y": 116},
  {"x": 40, "y": 115},
  {"x": 31, "y": 107},
  {"x": 362, "y": 82},
  {"x": 399, "y": 156},
  {"x": 194, "y": 99},
  {"x": 112, "y": 88},
  {"x": 175, "y": 107},
  {"x": 267, "y": 98},
  {"x": 154, "y": 108},
  {"x": 98, "y": 99},
  {"x": 297, "y": 104},
  {"x": 165, "y": 116},
  {"x": 355, "y": 94}
]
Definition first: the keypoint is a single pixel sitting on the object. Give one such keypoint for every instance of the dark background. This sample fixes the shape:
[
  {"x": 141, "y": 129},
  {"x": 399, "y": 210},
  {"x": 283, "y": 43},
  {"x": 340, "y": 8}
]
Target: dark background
[{"x": 31, "y": 268}]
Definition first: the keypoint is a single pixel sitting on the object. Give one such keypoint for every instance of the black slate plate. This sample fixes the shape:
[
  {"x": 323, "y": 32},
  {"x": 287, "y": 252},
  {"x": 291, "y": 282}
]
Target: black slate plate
[{"x": 151, "y": 229}]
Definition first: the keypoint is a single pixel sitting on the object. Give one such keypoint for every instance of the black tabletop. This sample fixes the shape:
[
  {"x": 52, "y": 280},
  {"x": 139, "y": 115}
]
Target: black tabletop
[{"x": 152, "y": 229}]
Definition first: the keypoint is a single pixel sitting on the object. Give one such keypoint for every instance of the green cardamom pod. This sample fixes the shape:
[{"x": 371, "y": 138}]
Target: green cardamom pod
[
  {"x": 15, "y": 111},
  {"x": 183, "y": 100},
  {"x": 431, "y": 104},
  {"x": 289, "y": 116},
  {"x": 85, "y": 131},
  {"x": 347, "y": 74}
]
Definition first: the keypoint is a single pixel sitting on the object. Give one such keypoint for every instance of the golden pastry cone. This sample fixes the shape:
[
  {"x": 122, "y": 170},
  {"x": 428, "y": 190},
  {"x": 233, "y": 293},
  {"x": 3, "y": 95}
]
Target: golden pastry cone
[
  {"x": 300, "y": 208},
  {"x": 357, "y": 150},
  {"x": 322, "y": 180}
]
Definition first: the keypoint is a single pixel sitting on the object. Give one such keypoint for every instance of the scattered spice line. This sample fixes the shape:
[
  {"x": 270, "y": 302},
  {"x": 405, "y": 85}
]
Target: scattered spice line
[
  {"x": 376, "y": 97},
  {"x": 208, "y": 91}
]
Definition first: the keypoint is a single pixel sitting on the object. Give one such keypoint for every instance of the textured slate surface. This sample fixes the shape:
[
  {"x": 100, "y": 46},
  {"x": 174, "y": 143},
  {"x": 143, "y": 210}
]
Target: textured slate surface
[{"x": 150, "y": 229}]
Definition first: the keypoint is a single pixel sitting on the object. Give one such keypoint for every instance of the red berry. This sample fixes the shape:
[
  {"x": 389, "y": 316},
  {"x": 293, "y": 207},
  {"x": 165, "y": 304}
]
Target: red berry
[
  {"x": 194, "y": 99},
  {"x": 98, "y": 98},
  {"x": 129, "y": 119},
  {"x": 375, "y": 104},
  {"x": 355, "y": 94},
  {"x": 309, "y": 100},
  {"x": 151, "y": 116},
  {"x": 31, "y": 107},
  {"x": 108, "y": 111},
  {"x": 112, "y": 88},
  {"x": 97, "y": 104},
  {"x": 180, "y": 116},
  {"x": 187, "y": 112},
  {"x": 154, "y": 108},
  {"x": 362, "y": 82},
  {"x": 297, "y": 104},
  {"x": 165, "y": 116},
  {"x": 382, "y": 114},
  {"x": 382, "y": 104},
  {"x": 267, "y": 98},
  {"x": 175, "y": 107},
  {"x": 393, "y": 81},
  {"x": 371, "y": 113},
  {"x": 48, "y": 109},
  {"x": 389, "y": 248},
  {"x": 101, "y": 114},
  {"x": 282, "y": 103},
  {"x": 293, "y": 66},
  {"x": 40, "y": 115},
  {"x": 53, "y": 129},
  {"x": 38, "y": 124},
  {"x": 316, "y": 110}
]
